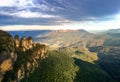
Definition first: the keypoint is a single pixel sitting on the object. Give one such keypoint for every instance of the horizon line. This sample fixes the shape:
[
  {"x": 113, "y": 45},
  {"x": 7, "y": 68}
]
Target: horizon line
[{"x": 37, "y": 27}]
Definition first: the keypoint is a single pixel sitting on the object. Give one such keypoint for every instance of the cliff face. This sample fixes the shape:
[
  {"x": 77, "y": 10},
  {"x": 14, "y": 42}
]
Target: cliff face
[
  {"x": 7, "y": 53},
  {"x": 23, "y": 44},
  {"x": 79, "y": 30},
  {"x": 71, "y": 38},
  {"x": 18, "y": 58}
]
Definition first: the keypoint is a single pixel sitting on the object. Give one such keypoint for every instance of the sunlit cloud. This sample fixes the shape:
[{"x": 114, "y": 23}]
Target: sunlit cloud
[
  {"x": 87, "y": 25},
  {"x": 62, "y": 14},
  {"x": 27, "y": 27}
]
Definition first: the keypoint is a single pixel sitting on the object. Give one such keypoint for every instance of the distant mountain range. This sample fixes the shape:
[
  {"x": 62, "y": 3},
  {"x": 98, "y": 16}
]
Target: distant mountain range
[
  {"x": 27, "y": 33},
  {"x": 79, "y": 49},
  {"x": 71, "y": 38},
  {"x": 113, "y": 31}
]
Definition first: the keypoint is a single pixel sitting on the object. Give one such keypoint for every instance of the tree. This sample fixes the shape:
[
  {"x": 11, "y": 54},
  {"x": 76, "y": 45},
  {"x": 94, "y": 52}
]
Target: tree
[{"x": 58, "y": 67}]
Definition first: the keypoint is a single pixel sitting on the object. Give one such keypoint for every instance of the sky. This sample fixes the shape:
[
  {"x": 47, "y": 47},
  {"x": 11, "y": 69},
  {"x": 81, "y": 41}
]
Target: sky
[{"x": 59, "y": 14}]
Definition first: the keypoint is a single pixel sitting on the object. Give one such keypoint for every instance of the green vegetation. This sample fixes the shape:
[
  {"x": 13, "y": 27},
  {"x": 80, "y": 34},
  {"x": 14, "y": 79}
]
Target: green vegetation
[
  {"x": 80, "y": 53},
  {"x": 113, "y": 41},
  {"x": 58, "y": 67},
  {"x": 110, "y": 61},
  {"x": 6, "y": 42},
  {"x": 61, "y": 66},
  {"x": 91, "y": 73},
  {"x": 23, "y": 58},
  {"x": 69, "y": 61}
]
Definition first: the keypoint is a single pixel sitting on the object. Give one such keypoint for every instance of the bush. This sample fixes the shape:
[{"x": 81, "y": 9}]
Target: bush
[{"x": 58, "y": 67}]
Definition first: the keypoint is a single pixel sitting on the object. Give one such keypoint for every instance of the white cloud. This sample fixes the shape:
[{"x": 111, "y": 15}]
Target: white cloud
[
  {"x": 43, "y": 7},
  {"x": 92, "y": 25},
  {"x": 28, "y": 14},
  {"x": 4, "y": 3},
  {"x": 25, "y": 4},
  {"x": 23, "y": 9},
  {"x": 104, "y": 25},
  {"x": 18, "y": 3},
  {"x": 27, "y": 27}
]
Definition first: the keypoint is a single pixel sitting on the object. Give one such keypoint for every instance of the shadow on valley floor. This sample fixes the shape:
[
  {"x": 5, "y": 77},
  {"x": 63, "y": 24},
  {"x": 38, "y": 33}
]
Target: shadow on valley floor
[
  {"x": 109, "y": 60},
  {"x": 89, "y": 72},
  {"x": 110, "y": 64}
]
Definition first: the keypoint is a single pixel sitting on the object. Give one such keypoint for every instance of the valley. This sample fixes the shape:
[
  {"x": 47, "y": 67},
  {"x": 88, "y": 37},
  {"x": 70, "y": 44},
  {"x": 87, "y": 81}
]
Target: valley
[
  {"x": 101, "y": 49},
  {"x": 61, "y": 56},
  {"x": 59, "y": 40}
]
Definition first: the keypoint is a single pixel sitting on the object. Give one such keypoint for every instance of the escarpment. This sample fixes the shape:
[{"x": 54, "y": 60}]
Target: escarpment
[
  {"x": 18, "y": 57},
  {"x": 7, "y": 53}
]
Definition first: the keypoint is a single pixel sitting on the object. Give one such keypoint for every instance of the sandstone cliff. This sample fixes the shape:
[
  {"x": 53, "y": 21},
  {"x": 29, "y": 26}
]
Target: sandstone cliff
[{"x": 18, "y": 57}]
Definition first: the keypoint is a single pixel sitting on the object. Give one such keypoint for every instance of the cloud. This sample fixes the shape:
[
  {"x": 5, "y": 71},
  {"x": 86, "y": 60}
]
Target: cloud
[
  {"x": 10, "y": 20},
  {"x": 28, "y": 27},
  {"x": 88, "y": 25},
  {"x": 45, "y": 12},
  {"x": 28, "y": 14},
  {"x": 17, "y": 3},
  {"x": 83, "y": 9},
  {"x": 4, "y": 3}
]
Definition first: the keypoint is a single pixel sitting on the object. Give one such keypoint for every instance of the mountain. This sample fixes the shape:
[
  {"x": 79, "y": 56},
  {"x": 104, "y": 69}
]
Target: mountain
[
  {"x": 114, "y": 37},
  {"x": 113, "y": 31},
  {"x": 105, "y": 45},
  {"x": 70, "y": 56},
  {"x": 27, "y": 33},
  {"x": 71, "y": 38}
]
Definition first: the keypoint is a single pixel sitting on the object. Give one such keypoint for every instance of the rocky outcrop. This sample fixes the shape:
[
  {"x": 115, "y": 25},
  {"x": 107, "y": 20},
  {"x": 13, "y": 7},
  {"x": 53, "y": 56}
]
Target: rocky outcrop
[
  {"x": 18, "y": 57},
  {"x": 28, "y": 61},
  {"x": 7, "y": 53},
  {"x": 29, "y": 42},
  {"x": 16, "y": 41},
  {"x": 24, "y": 44}
]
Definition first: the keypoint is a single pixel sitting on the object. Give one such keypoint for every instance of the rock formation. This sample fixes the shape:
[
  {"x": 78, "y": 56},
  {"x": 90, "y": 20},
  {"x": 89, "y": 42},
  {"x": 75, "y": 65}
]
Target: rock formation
[
  {"x": 23, "y": 43},
  {"x": 29, "y": 42},
  {"x": 16, "y": 40},
  {"x": 18, "y": 58},
  {"x": 7, "y": 53}
]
